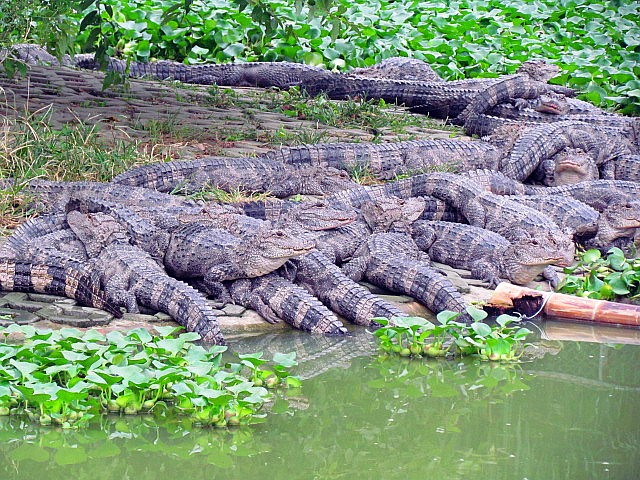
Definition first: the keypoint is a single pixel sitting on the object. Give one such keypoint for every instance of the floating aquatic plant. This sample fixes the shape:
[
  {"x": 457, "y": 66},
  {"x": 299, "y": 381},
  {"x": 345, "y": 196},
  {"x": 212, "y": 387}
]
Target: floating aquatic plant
[{"x": 66, "y": 377}]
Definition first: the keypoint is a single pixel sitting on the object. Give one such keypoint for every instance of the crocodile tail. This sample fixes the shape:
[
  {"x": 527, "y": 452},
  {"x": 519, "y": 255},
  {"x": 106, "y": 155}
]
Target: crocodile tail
[
  {"x": 70, "y": 279},
  {"x": 296, "y": 306},
  {"x": 183, "y": 303},
  {"x": 419, "y": 281},
  {"x": 341, "y": 294}
]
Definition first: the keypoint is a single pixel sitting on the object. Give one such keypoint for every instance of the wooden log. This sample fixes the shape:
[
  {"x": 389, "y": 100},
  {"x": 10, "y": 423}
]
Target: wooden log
[{"x": 531, "y": 302}]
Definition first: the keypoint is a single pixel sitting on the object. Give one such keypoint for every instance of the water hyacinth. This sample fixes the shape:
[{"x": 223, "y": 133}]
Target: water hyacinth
[
  {"x": 66, "y": 377},
  {"x": 417, "y": 337}
]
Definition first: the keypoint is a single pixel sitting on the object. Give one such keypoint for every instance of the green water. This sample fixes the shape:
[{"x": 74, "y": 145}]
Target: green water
[{"x": 570, "y": 414}]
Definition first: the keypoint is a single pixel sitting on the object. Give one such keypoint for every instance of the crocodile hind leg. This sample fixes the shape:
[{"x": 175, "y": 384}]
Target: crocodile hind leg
[
  {"x": 275, "y": 298},
  {"x": 339, "y": 293},
  {"x": 393, "y": 261}
]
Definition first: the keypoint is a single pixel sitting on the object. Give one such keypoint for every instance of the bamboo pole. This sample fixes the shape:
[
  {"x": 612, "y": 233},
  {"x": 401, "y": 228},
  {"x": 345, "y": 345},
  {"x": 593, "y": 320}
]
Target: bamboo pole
[{"x": 561, "y": 305}]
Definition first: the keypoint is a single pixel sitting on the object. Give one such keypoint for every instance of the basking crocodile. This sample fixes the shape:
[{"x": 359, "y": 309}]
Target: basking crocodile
[
  {"x": 615, "y": 200},
  {"x": 399, "y": 68},
  {"x": 573, "y": 216},
  {"x": 230, "y": 174},
  {"x": 570, "y": 165},
  {"x": 69, "y": 279},
  {"x": 393, "y": 261},
  {"x": 485, "y": 209},
  {"x": 624, "y": 167},
  {"x": 490, "y": 257},
  {"x": 58, "y": 196},
  {"x": 439, "y": 99},
  {"x": 275, "y": 298},
  {"x": 520, "y": 86},
  {"x": 542, "y": 142},
  {"x": 387, "y": 160},
  {"x": 198, "y": 250},
  {"x": 131, "y": 277}
]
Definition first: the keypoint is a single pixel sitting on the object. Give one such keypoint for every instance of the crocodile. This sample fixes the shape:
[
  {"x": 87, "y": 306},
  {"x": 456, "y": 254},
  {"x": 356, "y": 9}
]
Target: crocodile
[
  {"x": 52, "y": 196},
  {"x": 198, "y": 250},
  {"x": 573, "y": 216},
  {"x": 314, "y": 271},
  {"x": 388, "y": 160},
  {"x": 392, "y": 260},
  {"x": 69, "y": 279},
  {"x": 503, "y": 90},
  {"x": 319, "y": 275},
  {"x": 624, "y": 167},
  {"x": 544, "y": 141},
  {"x": 570, "y": 165},
  {"x": 230, "y": 174},
  {"x": 313, "y": 215},
  {"x": 399, "y": 68},
  {"x": 484, "y": 209},
  {"x": 131, "y": 277},
  {"x": 275, "y": 297},
  {"x": 627, "y": 128},
  {"x": 490, "y": 257},
  {"x": 616, "y": 201},
  {"x": 386, "y": 81}
]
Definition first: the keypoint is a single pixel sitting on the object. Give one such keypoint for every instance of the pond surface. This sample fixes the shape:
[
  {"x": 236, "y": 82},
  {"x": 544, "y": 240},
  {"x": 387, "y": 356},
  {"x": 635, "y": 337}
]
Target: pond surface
[{"x": 571, "y": 413}]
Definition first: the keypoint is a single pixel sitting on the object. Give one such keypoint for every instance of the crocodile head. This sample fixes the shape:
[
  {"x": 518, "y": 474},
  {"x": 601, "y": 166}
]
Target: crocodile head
[
  {"x": 320, "y": 215},
  {"x": 552, "y": 103},
  {"x": 619, "y": 219},
  {"x": 96, "y": 230},
  {"x": 392, "y": 213},
  {"x": 542, "y": 248},
  {"x": 574, "y": 165},
  {"x": 268, "y": 249},
  {"x": 538, "y": 70}
]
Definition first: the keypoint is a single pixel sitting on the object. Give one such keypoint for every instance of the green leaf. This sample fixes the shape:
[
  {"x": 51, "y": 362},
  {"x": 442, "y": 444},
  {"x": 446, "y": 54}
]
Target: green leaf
[
  {"x": 477, "y": 314},
  {"x": 481, "y": 329},
  {"x": 234, "y": 50},
  {"x": 591, "y": 256},
  {"x": 287, "y": 360}
]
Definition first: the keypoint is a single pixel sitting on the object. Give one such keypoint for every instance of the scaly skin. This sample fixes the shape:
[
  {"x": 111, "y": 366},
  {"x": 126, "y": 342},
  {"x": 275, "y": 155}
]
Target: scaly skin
[
  {"x": 576, "y": 217},
  {"x": 503, "y": 90},
  {"x": 393, "y": 261},
  {"x": 313, "y": 216},
  {"x": 276, "y": 298},
  {"x": 387, "y": 160},
  {"x": 131, "y": 277},
  {"x": 60, "y": 196},
  {"x": 543, "y": 142},
  {"x": 200, "y": 251},
  {"x": 570, "y": 165},
  {"x": 327, "y": 282},
  {"x": 230, "y": 174},
  {"x": 399, "y": 68},
  {"x": 69, "y": 279},
  {"x": 615, "y": 200},
  {"x": 490, "y": 257},
  {"x": 624, "y": 167}
]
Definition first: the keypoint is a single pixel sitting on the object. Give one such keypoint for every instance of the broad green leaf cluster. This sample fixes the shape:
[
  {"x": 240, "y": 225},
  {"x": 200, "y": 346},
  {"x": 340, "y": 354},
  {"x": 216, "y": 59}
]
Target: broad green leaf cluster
[
  {"x": 417, "y": 336},
  {"x": 66, "y": 377},
  {"x": 596, "y": 44},
  {"x": 606, "y": 278}
]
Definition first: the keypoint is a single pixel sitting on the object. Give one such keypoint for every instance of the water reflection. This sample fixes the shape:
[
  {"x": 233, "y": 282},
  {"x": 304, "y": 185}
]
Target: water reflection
[{"x": 569, "y": 412}]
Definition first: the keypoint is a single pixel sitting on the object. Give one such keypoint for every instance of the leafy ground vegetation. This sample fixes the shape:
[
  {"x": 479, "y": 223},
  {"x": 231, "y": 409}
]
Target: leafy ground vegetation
[
  {"x": 66, "y": 377},
  {"x": 595, "y": 43}
]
